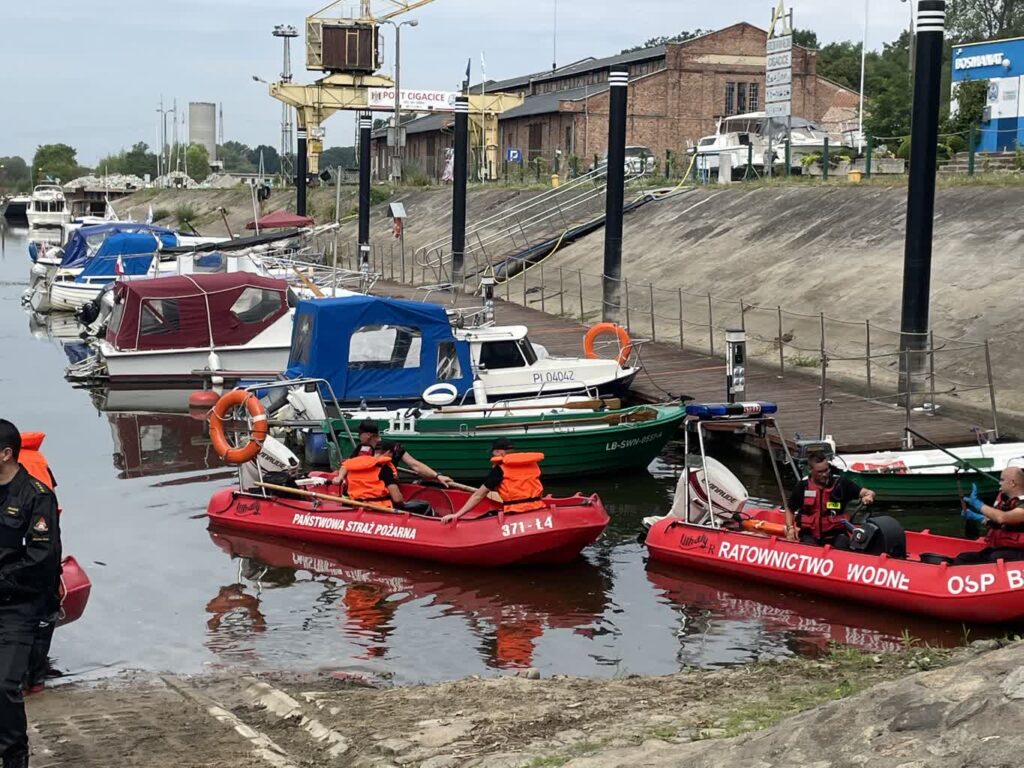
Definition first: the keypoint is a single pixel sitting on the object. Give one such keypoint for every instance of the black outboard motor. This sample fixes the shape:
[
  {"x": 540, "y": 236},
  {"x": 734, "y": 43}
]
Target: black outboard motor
[
  {"x": 88, "y": 312},
  {"x": 879, "y": 535}
]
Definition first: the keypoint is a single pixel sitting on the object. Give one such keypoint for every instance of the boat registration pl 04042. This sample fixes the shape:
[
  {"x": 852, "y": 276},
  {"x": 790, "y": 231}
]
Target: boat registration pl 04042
[{"x": 516, "y": 527}]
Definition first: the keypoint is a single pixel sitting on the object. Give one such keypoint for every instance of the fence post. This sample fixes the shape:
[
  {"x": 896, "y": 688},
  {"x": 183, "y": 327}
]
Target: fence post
[
  {"x": 824, "y": 379},
  {"x": 668, "y": 163},
  {"x": 867, "y": 354},
  {"x": 931, "y": 369},
  {"x": 991, "y": 391},
  {"x": 743, "y": 317},
  {"x": 625, "y": 284},
  {"x": 542, "y": 302},
  {"x": 782, "y": 346},
  {"x": 867, "y": 159},
  {"x": 711, "y": 327},
  {"x": 579, "y": 274},
  {"x": 654, "y": 332},
  {"x": 561, "y": 294},
  {"x": 681, "y": 334},
  {"x": 508, "y": 286},
  {"x": 971, "y": 141},
  {"x": 824, "y": 161},
  {"x": 908, "y": 440},
  {"x": 523, "y": 275},
  {"x": 789, "y": 158},
  {"x": 749, "y": 172}
]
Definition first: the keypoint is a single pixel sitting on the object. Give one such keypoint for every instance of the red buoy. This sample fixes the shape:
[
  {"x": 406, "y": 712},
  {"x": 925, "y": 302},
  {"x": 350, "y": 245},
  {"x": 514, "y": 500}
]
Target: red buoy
[{"x": 200, "y": 402}]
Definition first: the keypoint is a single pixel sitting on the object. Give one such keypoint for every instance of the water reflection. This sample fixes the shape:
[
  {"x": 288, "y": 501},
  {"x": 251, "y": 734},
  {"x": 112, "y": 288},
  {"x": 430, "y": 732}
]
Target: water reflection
[
  {"x": 149, "y": 444},
  {"x": 507, "y": 611}
]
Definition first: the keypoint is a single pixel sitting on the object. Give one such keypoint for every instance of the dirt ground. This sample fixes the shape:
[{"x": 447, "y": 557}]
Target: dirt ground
[{"x": 350, "y": 718}]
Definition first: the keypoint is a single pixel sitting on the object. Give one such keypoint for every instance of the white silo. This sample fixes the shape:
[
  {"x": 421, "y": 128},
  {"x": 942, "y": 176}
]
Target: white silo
[{"x": 202, "y": 126}]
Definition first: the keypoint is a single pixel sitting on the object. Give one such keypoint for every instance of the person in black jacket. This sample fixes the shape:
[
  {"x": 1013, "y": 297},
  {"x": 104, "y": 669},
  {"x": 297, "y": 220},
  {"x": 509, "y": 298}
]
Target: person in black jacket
[{"x": 30, "y": 556}]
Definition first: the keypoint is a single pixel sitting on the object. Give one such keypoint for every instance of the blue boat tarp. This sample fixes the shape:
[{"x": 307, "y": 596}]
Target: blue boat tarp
[
  {"x": 86, "y": 241},
  {"x": 373, "y": 348},
  {"x": 135, "y": 249}
]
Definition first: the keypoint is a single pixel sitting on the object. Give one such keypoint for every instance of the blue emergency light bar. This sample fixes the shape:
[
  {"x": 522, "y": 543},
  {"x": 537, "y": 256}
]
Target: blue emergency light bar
[{"x": 724, "y": 410}]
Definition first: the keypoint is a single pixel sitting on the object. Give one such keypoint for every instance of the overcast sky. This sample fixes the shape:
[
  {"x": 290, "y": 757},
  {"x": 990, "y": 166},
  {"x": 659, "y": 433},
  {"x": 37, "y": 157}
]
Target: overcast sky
[{"x": 91, "y": 74}]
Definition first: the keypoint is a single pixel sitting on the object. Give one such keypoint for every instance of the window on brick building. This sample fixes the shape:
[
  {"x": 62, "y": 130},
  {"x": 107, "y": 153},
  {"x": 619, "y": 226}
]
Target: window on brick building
[
  {"x": 730, "y": 98},
  {"x": 754, "y": 97},
  {"x": 568, "y": 139},
  {"x": 741, "y": 98}
]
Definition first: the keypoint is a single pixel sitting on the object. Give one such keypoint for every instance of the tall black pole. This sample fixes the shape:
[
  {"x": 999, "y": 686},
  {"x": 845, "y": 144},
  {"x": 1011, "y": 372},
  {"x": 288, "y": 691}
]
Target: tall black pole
[
  {"x": 917, "y": 255},
  {"x": 618, "y": 81},
  {"x": 365, "y": 128},
  {"x": 300, "y": 172},
  {"x": 459, "y": 188}
]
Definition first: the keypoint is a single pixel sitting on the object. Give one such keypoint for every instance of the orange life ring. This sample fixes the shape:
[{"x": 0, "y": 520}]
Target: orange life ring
[
  {"x": 258, "y": 434},
  {"x": 625, "y": 343}
]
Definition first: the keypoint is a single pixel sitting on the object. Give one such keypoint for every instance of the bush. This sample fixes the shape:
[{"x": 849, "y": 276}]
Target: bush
[
  {"x": 415, "y": 176},
  {"x": 956, "y": 143},
  {"x": 904, "y": 151},
  {"x": 944, "y": 152},
  {"x": 380, "y": 195},
  {"x": 184, "y": 213},
  {"x": 159, "y": 214},
  {"x": 810, "y": 159}
]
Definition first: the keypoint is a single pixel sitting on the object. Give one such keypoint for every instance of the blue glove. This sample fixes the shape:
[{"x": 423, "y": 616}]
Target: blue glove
[
  {"x": 968, "y": 514},
  {"x": 973, "y": 501}
]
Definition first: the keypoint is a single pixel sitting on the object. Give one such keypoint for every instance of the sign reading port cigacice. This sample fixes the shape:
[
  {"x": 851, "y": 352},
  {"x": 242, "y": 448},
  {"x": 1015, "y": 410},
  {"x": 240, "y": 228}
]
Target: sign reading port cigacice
[{"x": 778, "y": 75}]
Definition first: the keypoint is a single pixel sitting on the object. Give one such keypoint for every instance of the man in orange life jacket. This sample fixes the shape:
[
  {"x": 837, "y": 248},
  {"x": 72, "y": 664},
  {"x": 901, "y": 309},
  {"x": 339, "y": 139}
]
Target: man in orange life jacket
[
  {"x": 515, "y": 477},
  {"x": 369, "y": 438},
  {"x": 819, "y": 505},
  {"x": 374, "y": 479},
  {"x": 30, "y": 557},
  {"x": 1005, "y": 519}
]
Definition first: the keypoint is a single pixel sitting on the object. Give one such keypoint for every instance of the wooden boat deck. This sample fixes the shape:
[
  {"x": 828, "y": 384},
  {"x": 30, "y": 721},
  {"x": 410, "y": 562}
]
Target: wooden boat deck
[{"x": 856, "y": 423}]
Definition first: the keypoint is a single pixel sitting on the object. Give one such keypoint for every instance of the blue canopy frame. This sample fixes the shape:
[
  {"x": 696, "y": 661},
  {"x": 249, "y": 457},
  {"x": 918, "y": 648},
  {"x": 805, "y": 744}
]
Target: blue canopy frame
[{"x": 322, "y": 347}]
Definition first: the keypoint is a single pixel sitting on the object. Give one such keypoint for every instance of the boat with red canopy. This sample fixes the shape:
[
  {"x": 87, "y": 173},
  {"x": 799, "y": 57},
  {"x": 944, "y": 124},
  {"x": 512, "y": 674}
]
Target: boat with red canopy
[
  {"x": 714, "y": 527},
  {"x": 555, "y": 533},
  {"x": 164, "y": 329}
]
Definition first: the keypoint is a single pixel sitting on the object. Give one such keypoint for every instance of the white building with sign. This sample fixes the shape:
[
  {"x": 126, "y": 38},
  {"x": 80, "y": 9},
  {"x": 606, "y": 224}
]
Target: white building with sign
[{"x": 1000, "y": 63}]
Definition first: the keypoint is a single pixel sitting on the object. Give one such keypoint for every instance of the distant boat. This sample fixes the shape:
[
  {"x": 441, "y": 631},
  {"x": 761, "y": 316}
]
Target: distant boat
[
  {"x": 15, "y": 208},
  {"x": 48, "y": 207},
  {"x": 747, "y": 136}
]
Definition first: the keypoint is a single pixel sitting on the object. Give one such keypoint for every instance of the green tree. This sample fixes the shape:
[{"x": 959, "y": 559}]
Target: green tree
[
  {"x": 889, "y": 91},
  {"x": 235, "y": 156},
  {"x": 971, "y": 98},
  {"x": 14, "y": 173},
  {"x": 198, "y": 160},
  {"x": 271, "y": 158},
  {"x": 662, "y": 40},
  {"x": 335, "y": 156},
  {"x": 972, "y": 20},
  {"x": 806, "y": 38},
  {"x": 55, "y": 161}
]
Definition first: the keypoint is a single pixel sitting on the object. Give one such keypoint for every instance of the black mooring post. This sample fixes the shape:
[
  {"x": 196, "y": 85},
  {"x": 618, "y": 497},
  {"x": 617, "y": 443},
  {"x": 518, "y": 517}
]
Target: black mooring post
[
  {"x": 365, "y": 127},
  {"x": 459, "y": 188},
  {"x": 618, "y": 81},
  {"x": 917, "y": 255},
  {"x": 300, "y": 172}
]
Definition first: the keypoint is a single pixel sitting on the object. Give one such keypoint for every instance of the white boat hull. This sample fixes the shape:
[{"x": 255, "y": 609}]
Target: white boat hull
[
  {"x": 47, "y": 218},
  {"x": 178, "y": 364}
]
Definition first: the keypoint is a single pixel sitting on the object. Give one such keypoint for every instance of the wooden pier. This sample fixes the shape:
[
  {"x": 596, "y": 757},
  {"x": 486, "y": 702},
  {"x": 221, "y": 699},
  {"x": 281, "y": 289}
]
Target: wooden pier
[{"x": 857, "y": 423}]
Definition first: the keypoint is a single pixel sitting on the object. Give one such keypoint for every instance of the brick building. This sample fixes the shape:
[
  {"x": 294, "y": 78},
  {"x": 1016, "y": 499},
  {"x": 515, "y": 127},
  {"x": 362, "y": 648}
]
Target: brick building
[{"x": 677, "y": 93}]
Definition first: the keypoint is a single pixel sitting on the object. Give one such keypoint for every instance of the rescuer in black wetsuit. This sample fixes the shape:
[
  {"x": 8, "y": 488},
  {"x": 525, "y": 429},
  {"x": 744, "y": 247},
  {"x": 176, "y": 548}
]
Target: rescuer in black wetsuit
[{"x": 30, "y": 557}]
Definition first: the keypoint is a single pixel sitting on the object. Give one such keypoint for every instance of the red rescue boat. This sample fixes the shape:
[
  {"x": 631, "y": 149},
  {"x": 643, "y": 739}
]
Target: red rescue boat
[
  {"x": 554, "y": 534},
  {"x": 713, "y": 527}
]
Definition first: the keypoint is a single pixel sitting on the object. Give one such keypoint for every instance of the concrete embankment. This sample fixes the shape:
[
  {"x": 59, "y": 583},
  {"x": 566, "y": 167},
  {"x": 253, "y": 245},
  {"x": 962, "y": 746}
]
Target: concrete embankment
[{"x": 916, "y": 708}]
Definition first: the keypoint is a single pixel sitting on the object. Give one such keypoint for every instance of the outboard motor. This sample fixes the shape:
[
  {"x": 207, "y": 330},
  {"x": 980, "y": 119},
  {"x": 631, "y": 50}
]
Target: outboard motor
[
  {"x": 728, "y": 495},
  {"x": 275, "y": 464},
  {"x": 879, "y": 535}
]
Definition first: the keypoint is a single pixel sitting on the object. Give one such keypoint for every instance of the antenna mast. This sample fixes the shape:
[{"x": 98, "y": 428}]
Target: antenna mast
[{"x": 286, "y": 33}]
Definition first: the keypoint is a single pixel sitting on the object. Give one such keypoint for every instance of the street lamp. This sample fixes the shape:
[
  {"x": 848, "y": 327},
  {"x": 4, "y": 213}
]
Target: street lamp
[{"x": 396, "y": 156}]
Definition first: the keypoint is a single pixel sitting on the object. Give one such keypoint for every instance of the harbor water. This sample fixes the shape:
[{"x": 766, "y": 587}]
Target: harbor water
[{"x": 170, "y": 596}]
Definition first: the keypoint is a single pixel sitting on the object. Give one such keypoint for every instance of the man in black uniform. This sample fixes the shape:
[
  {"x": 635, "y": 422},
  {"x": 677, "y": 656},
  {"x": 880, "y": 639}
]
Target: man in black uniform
[
  {"x": 29, "y": 574},
  {"x": 816, "y": 510}
]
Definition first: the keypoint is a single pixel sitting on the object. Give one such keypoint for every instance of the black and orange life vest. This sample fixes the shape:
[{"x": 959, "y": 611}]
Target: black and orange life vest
[
  {"x": 820, "y": 515},
  {"x": 1006, "y": 536},
  {"x": 363, "y": 477},
  {"x": 32, "y": 459},
  {"x": 520, "y": 489}
]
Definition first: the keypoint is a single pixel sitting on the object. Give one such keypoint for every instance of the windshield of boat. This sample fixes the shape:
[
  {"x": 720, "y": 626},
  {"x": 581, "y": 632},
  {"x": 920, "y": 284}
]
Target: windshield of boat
[
  {"x": 448, "y": 366},
  {"x": 385, "y": 346},
  {"x": 742, "y": 125},
  {"x": 495, "y": 355}
]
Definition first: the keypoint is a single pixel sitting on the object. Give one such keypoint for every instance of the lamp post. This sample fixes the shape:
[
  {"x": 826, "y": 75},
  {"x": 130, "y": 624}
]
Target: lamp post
[{"x": 396, "y": 150}]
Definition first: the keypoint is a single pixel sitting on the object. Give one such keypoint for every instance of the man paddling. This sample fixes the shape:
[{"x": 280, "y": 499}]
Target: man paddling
[
  {"x": 816, "y": 510},
  {"x": 374, "y": 479},
  {"x": 369, "y": 438},
  {"x": 29, "y": 574},
  {"x": 1004, "y": 517},
  {"x": 514, "y": 476}
]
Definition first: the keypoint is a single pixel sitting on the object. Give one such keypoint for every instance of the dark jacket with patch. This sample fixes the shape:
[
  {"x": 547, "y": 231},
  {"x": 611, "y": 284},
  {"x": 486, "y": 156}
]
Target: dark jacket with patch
[{"x": 30, "y": 551}]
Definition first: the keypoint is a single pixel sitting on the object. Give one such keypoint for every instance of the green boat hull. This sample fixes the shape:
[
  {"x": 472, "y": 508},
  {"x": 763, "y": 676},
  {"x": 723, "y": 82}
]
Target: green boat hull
[
  {"x": 463, "y": 451},
  {"x": 923, "y": 487}
]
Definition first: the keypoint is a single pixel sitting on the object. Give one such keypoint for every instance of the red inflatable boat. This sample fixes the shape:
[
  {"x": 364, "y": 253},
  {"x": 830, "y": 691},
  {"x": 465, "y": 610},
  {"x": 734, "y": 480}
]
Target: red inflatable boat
[
  {"x": 976, "y": 593},
  {"x": 554, "y": 534},
  {"x": 74, "y": 591}
]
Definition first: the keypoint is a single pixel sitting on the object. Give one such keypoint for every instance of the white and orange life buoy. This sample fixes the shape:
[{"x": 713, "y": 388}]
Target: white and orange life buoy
[
  {"x": 257, "y": 435},
  {"x": 625, "y": 343}
]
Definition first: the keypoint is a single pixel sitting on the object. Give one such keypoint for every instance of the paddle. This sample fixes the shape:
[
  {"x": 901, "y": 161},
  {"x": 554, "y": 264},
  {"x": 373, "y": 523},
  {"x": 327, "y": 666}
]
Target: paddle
[
  {"x": 313, "y": 287},
  {"x": 326, "y": 497},
  {"x": 457, "y": 486},
  {"x": 962, "y": 463}
]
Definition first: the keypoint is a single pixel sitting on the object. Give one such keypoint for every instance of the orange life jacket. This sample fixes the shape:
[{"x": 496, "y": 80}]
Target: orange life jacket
[
  {"x": 1005, "y": 536},
  {"x": 32, "y": 459},
  {"x": 364, "y": 483},
  {"x": 820, "y": 515},
  {"x": 514, "y": 644},
  {"x": 520, "y": 489}
]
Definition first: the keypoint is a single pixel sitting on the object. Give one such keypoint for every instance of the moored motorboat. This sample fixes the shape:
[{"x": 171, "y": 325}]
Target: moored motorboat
[
  {"x": 931, "y": 473},
  {"x": 48, "y": 207},
  {"x": 714, "y": 527},
  {"x": 555, "y": 533}
]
